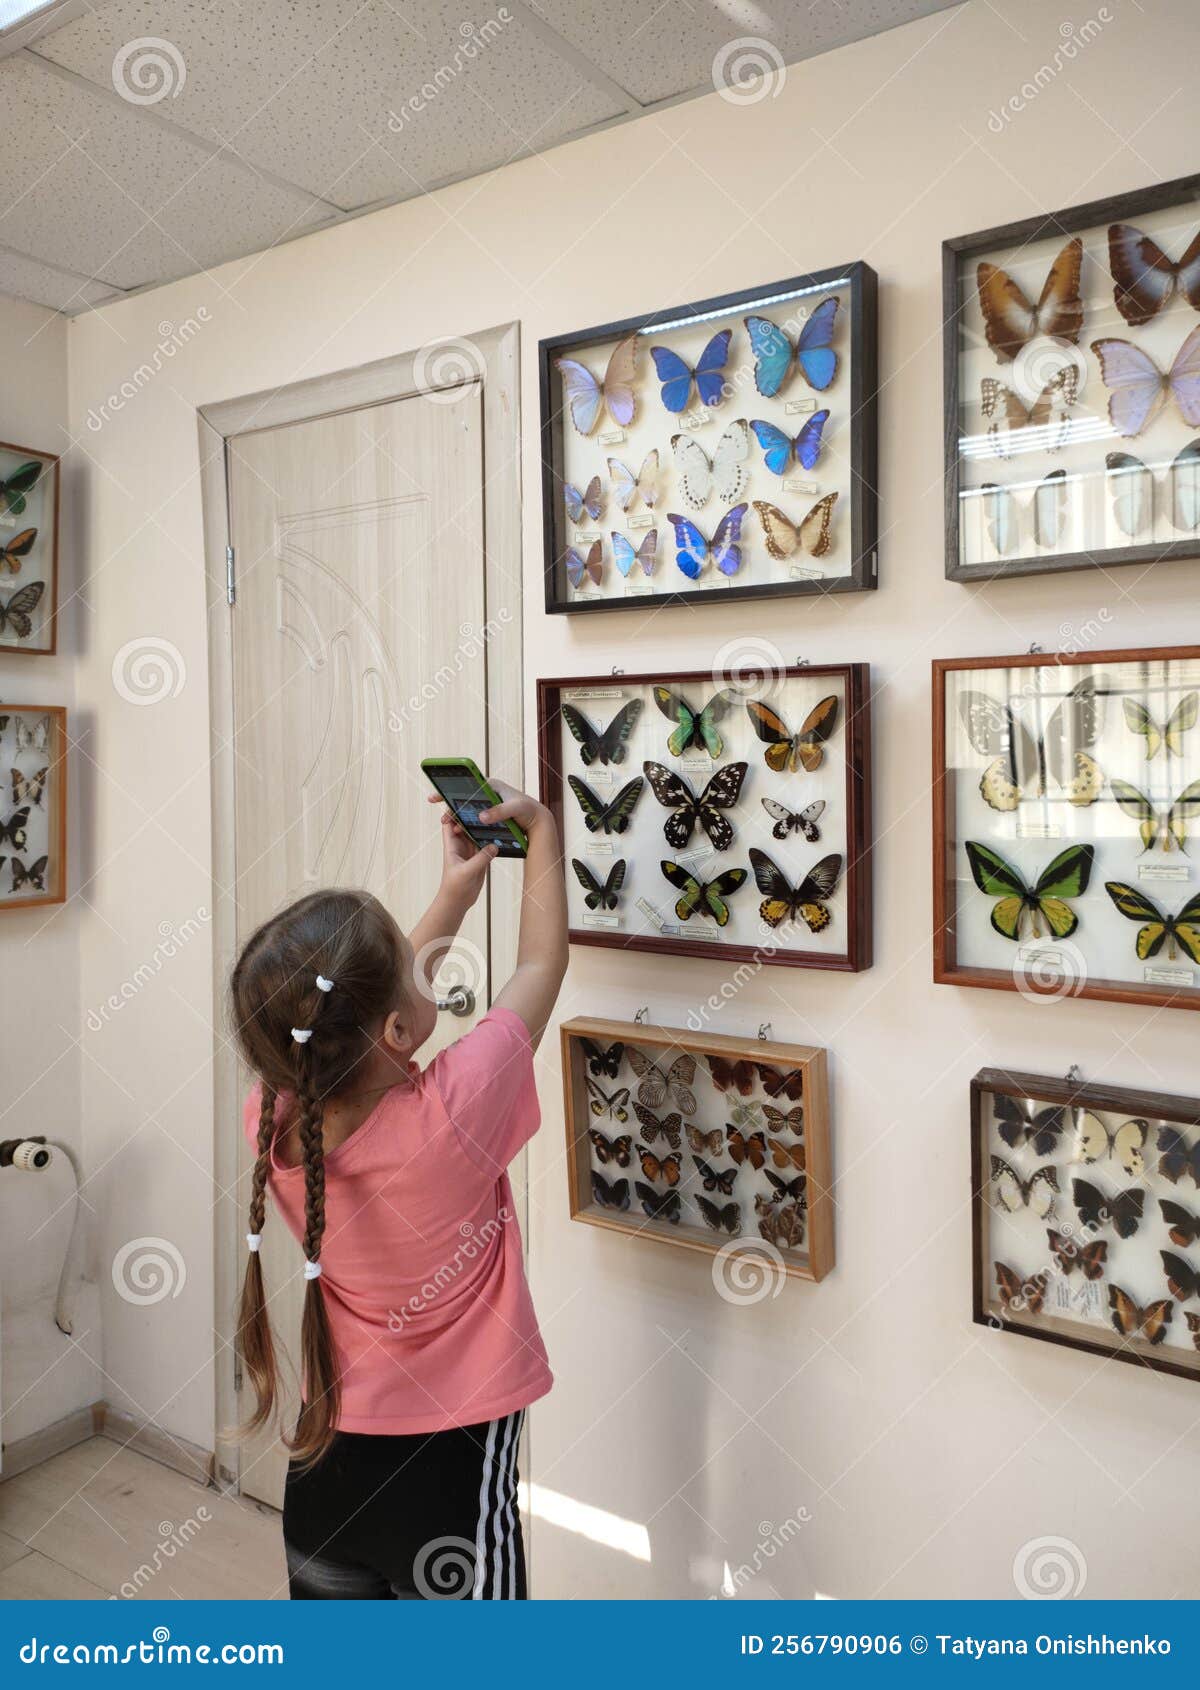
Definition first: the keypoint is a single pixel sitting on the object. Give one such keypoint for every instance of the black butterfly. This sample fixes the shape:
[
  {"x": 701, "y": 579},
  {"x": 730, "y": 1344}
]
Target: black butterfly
[
  {"x": 1183, "y": 1280},
  {"x": 13, "y": 830},
  {"x": 618, "y": 1150},
  {"x": 716, "y": 1179},
  {"x": 614, "y": 1196},
  {"x": 601, "y": 1061},
  {"x": 603, "y": 745},
  {"x": 1183, "y": 1226},
  {"x": 790, "y": 821},
  {"x": 34, "y": 875},
  {"x": 608, "y": 818},
  {"x": 784, "y": 902},
  {"x": 1019, "y": 1123},
  {"x": 1177, "y": 1161},
  {"x": 664, "y": 1208},
  {"x": 31, "y": 787},
  {"x": 793, "y": 1188},
  {"x": 20, "y": 608},
  {"x": 14, "y": 487},
  {"x": 709, "y": 898},
  {"x": 602, "y": 1104},
  {"x": 597, "y": 896},
  {"x": 675, "y": 793},
  {"x": 730, "y": 1217},
  {"x": 1123, "y": 1210}
]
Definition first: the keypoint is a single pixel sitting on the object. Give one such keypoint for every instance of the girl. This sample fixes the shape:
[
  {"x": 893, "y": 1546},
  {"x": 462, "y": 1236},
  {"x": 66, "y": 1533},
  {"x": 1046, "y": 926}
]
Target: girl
[{"x": 419, "y": 1343}]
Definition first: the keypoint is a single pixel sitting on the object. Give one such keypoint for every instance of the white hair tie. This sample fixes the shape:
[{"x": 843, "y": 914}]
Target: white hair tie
[
  {"x": 324, "y": 985},
  {"x": 254, "y": 1239},
  {"x": 312, "y": 1270},
  {"x": 302, "y": 1034}
]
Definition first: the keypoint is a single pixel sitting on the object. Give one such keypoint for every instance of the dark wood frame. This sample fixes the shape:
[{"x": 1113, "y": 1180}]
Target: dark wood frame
[
  {"x": 56, "y": 805},
  {"x": 856, "y": 678},
  {"x": 946, "y": 970},
  {"x": 863, "y": 498},
  {"x": 816, "y": 1258},
  {"x": 1095, "y": 214},
  {"x": 1161, "y": 1106},
  {"x": 53, "y": 464}
]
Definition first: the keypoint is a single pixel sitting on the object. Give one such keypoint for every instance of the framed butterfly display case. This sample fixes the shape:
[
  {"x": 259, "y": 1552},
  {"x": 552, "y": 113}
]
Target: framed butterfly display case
[
  {"x": 698, "y": 1140},
  {"x": 1086, "y": 1217},
  {"x": 1072, "y": 388},
  {"x": 1066, "y": 825},
  {"x": 712, "y": 815},
  {"x": 33, "y": 807},
  {"x": 722, "y": 448},
  {"x": 28, "y": 550}
]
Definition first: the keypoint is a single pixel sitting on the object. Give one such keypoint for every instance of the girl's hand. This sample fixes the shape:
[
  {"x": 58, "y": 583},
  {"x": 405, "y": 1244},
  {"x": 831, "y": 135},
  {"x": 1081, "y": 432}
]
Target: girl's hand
[
  {"x": 464, "y": 865},
  {"x": 516, "y": 807}
]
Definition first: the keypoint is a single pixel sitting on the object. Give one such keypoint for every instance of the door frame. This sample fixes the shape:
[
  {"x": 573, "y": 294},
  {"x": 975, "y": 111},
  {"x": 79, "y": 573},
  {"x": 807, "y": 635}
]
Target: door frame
[{"x": 497, "y": 370}]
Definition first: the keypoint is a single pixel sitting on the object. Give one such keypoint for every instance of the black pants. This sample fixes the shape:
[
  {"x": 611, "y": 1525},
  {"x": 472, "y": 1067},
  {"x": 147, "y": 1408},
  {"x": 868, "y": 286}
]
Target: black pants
[{"x": 427, "y": 1517}]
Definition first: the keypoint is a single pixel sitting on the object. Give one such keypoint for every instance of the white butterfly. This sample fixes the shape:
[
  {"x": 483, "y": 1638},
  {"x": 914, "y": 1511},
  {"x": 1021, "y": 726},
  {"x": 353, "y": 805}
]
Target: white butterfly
[
  {"x": 35, "y": 738},
  {"x": 627, "y": 487},
  {"x": 724, "y": 473}
]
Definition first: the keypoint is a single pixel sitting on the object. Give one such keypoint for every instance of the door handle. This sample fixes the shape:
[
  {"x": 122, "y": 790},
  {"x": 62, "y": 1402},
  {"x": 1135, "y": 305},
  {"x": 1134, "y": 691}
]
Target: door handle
[{"x": 460, "y": 1000}]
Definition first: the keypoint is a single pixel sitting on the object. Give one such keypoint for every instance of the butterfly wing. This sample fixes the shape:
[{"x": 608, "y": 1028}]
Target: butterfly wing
[
  {"x": 816, "y": 728},
  {"x": 1131, "y": 488},
  {"x": 21, "y": 482},
  {"x": 691, "y": 548},
  {"x": 721, "y": 793},
  {"x": 674, "y": 793},
  {"x": 675, "y": 377},
  {"x": 584, "y": 734},
  {"x": 612, "y": 742},
  {"x": 772, "y": 352},
  {"x": 593, "y": 892},
  {"x": 770, "y": 727},
  {"x": 677, "y": 709},
  {"x": 13, "y": 830},
  {"x": 718, "y": 892},
  {"x": 713, "y": 712},
  {"x": 1134, "y": 803},
  {"x": 999, "y": 880},
  {"x": 624, "y": 555},
  {"x": 1184, "y": 490},
  {"x": 729, "y": 461},
  {"x": 1134, "y": 905},
  {"x": 582, "y": 393},
  {"x": 725, "y": 546},
  {"x": 693, "y": 469},
  {"x": 1144, "y": 278},
  {"x": 1011, "y": 322},
  {"x": 1180, "y": 720},
  {"x": 614, "y": 1196},
  {"x": 20, "y": 608},
  {"x": 780, "y": 533},
  {"x": 818, "y": 885},
  {"x": 593, "y": 810},
  {"x": 1183, "y": 378},
  {"x": 12, "y": 551},
  {"x": 1137, "y": 390},
  {"x": 777, "y": 446},
  {"x": 619, "y": 379},
  {"x": 1067, "y": 876},
  {"x": 815, "y": 356},
  {"x": 691, "y": 893},
  {"x": 710, "y": 369},
  {"x": 578, "y": 565},
  {"x": 779, "y": 900},
  {"x": 625, "y": 485}
]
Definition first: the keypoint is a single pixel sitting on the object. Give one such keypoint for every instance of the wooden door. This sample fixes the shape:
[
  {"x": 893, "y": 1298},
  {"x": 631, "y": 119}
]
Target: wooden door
[{"x": 359, "y": 569}]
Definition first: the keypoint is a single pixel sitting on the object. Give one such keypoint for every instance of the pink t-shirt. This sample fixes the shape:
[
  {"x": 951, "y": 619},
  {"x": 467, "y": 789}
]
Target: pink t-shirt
[{"x": 421, "y": 1262}]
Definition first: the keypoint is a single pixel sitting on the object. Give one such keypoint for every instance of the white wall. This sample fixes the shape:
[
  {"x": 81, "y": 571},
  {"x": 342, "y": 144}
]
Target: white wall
[
  {"x": 42, "y": 1375},
  {"x": 925, "y": 1450}
]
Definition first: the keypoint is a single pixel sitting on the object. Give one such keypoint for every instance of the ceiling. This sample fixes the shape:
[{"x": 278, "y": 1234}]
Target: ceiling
[{"x": 150, "y": 139}]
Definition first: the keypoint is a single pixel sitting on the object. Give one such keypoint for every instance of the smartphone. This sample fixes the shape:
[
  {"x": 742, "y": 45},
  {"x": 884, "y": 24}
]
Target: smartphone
[{"x": 467, "y": 792}]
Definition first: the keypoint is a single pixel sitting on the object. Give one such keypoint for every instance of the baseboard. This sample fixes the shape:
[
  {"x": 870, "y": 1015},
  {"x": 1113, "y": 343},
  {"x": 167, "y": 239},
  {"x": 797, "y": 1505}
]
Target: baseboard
[
  {"x": 36, "y": 1447},
  {"x": 163, "y": 1447},
  {"x": 101, "y": 1421}
]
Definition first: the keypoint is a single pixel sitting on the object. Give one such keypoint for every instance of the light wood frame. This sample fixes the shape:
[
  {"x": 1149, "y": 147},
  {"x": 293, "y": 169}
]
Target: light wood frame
[
  {"x": 1117, "y": 1100},
  {"x": 946, "y": 968},
  {"x": 53, "y": 464},
  {"x": 56, "y": 806},
  {"x": 815, "y": 1259},
  {"x": 856, "y": 678},
  {"x": 379, "y": 383}
]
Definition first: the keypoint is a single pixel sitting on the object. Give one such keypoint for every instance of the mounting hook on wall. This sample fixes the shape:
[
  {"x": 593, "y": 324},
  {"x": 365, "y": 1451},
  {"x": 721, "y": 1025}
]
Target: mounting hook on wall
[
  {"x": 617, "y": 669},
  {"x": 764, "y": 1030},
  {"x": 1034, "y": 648},
  {"x": 643, "y": 1015},
  {"x": 1073, "y": 1074}
]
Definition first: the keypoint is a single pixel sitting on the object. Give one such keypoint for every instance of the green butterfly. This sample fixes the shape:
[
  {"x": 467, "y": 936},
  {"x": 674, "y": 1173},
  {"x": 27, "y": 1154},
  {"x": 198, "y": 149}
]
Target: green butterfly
[
  {"x": 696, "y": 727},
  {"x": 1171, "y": 823},
  {"x": 1179, "y": 932},
  {"x": 1066, "y": 877},
  {"x": 703, "y": 897},
  {"x": 1170, "y": 734},
  {"x": 20, "y": 482}
]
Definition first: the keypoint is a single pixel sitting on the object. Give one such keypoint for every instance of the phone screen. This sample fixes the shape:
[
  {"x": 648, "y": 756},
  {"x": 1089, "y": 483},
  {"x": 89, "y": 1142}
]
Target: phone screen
[{"x": 461, "y": 789}]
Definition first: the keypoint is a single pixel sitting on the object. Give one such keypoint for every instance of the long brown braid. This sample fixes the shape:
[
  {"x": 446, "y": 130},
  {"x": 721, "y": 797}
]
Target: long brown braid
[{"x": 350, "y": 939}]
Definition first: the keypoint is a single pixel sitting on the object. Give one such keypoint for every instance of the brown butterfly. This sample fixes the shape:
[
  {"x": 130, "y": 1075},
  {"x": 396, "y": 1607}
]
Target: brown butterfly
[
  {"x": 781, "y": 1188},
  {"x": 775, "y": 1084},
  {"x": 1088, "y": 1258},
  {"x": 780, "y": 1122},
  {"x": 787, "y": 1155},
  {"x": 655, "y": 1167},
  {"x": 785, "y": 538},
  {"x": 786, "y": 750},
  {"x": 28, "y": 789},
  {"x": 716, "y": 1179},
  {"x": 725, "y": 1074},
  {"x": 1011, "y": 322},
  {"x": 1021, "y": 1296},
  {"x": 706, "y": 1144},
  {"x": 1144, "y": 277},
  {"x": 12, "y": 551},
  {"x": 1015, "y": 426},
  {"x": 783, "y": 1227},
  {"x": 743, "y": 1148},
  {"x": 611, "y": 1149},
  {"x": 1132, "y": 1321},
  {"x": 1193, "y": 1321},
  {"x": 668, "y": 1128}
]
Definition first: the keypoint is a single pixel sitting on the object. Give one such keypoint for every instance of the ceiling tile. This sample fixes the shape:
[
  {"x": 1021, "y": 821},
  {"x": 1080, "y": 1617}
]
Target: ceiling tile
[
  {"x": 658, "y": 50},
  {"x": 91, "y": 186},
  {"x": 25, "y": 278},
  {"x": 355, "y": 101}
]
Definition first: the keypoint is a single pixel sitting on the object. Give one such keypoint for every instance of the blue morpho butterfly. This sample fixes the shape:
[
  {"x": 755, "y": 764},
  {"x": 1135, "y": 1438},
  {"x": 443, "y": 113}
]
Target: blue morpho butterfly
[
  {"x": 693, "y": 551},
  {"x": 778, "y": 446},
  {"x": 677, "y": 377},
  {"x": 773, "y": 349}
]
